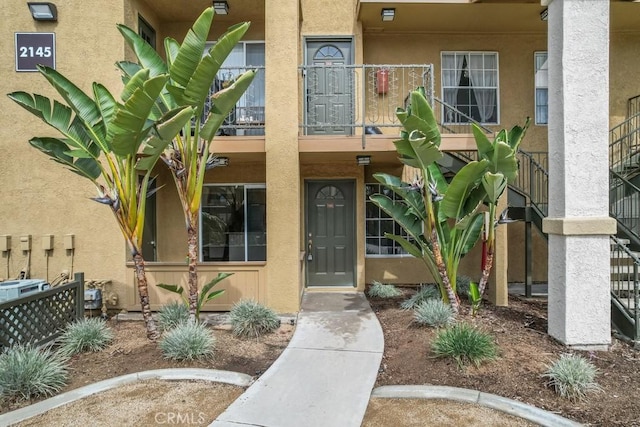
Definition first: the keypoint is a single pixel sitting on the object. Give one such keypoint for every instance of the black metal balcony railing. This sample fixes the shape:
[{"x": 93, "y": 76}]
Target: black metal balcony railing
[{"x": 247, "y": 118}]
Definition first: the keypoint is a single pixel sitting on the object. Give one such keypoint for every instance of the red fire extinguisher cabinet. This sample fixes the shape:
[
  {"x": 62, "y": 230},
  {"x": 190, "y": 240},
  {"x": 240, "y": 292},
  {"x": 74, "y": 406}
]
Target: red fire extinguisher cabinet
[{"x": 382, "y": 81}]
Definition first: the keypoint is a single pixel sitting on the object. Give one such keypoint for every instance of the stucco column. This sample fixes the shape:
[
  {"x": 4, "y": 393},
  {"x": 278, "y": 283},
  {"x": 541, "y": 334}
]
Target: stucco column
[
  {"x": 578, "y": 224},
  {"x": 281, "y": 145}
]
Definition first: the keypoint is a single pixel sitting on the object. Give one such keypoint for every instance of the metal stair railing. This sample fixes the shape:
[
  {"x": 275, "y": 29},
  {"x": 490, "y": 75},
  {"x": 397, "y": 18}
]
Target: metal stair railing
[
  {"x": 624, "y": 205},
  {"x": 625, "y": 294},
  {"x": 624, "y": 145}
]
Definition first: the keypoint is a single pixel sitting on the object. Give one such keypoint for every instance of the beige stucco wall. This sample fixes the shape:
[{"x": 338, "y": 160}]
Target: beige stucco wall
[{"x": 38, "y": 196}]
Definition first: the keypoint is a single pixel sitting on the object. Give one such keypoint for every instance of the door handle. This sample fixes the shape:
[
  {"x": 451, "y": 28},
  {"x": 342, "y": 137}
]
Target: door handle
[{"x": 309, "y": 250}]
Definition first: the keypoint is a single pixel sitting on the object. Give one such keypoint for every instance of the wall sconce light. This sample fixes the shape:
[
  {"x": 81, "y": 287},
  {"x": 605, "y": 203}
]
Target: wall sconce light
[
  {"x": 43, "y": 11},
  {"x": 388, "y": 14},
  {"x": 544, "y": 15},
  {"x": 221, "y": 7},
  {"x": 363, "y": 160}
]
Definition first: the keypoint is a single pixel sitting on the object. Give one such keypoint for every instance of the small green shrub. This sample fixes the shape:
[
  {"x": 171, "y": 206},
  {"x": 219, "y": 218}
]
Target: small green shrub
[
  {"x": 187, "y": 341},
  {"x": 27, "y": 372},
  {"x": 463, "y": 284},
  {"x": 252, "y": 319},
  {"x": 172, "y": 314},
  {"x": 85, "y": 335},
  {"x": 433, "y": 312},
  {"x": 424, "y": 293},
  {"x": 380, "y": 290},
  {"x": 572, "y": 377},
  {"x": 465, "y": 344}
]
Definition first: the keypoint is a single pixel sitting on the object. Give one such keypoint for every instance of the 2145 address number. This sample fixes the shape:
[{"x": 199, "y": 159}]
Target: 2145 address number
[{"x": 30, "y": 52}]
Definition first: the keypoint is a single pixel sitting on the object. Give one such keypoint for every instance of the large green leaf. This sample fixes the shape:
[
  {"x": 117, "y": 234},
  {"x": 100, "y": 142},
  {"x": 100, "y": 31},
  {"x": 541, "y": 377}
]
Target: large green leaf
[
  {"x": 58, "y": 116},
  {"x": 165, "y": 130},
  {"x": 471, "y": 233},
  {"x": 516, "y": 134},
  {"x": 129, "y": 125},
  {"x": 419, "y": 117},
  {"x": 463, "y": 183},
  {"x": 412, "y": 197},
  {"x": 411, "y": 248},
  {"x": 223, "y": 102},
  {"x": 494, "y": 185},
  {"x": 198, "y": 87},
  {"x": 417, "y": 151},
  {"x": 145, "y": 53},
  {"x": 400, "y": 213},
  {"x": 504, "y": 161},
  {"x": 58, "y": 151},
  {"x": 106, "y": 104},
  {"x": 485, "y": 147},
  {"x": 192, "y": 49},
  {"x": 82, "y": 104},
  {"x": 204, "y": 293}
]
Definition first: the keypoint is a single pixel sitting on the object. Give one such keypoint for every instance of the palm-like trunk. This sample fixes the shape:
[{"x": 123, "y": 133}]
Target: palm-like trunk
[
  {"x": 143, "y": 292},
  {"x": 484, "y": 279},
  {"x": 442, "y": 269},
  {"x": 192, "y": 236}
]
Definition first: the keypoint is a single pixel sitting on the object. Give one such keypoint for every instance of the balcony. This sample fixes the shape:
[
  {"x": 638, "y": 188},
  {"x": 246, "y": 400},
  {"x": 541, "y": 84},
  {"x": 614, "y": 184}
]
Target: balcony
[
  {"x": 247, "y": 118},
  {"x": 353, "y": 102}
]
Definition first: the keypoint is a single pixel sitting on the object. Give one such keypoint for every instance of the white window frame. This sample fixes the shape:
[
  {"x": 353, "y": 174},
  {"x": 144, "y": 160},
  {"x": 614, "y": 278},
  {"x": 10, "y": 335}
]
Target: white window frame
[
  {"x": 496, "y": 87},
  {"x": 401, "y": 252},
  {"x": 537, "y": 85},
  {"x": 246, "y": 186}
]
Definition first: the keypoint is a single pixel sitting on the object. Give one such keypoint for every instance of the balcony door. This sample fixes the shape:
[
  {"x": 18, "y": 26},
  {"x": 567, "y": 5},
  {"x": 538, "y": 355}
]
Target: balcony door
[{"x": 329, "y": 87}]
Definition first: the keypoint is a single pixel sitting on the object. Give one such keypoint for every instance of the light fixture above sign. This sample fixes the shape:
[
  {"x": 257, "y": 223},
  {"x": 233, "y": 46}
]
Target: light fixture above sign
[
  {"x": 43, "y": 11},
  {"x": 388, "y": 14},
  {"x": 221, "y": 7}
]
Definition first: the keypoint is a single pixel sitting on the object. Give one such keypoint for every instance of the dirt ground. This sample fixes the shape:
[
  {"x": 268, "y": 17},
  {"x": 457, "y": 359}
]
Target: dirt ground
[
  {"x": 131, "y": 352},
  {"x": 520, "y": 331},
  {"x": 525, "y": 350}
]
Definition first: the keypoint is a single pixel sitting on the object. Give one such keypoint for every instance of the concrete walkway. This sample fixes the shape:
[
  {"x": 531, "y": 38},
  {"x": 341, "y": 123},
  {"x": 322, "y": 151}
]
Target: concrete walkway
[{"x": 326, "y": 374}]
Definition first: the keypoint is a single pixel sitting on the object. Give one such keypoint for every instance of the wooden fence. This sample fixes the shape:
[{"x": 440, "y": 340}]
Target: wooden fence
[{"x": 41, "y": 317}]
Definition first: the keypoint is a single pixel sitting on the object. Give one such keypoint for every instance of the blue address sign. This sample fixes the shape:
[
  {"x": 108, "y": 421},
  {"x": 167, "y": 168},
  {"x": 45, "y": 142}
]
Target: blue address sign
[{"x": 34, "y": 49}]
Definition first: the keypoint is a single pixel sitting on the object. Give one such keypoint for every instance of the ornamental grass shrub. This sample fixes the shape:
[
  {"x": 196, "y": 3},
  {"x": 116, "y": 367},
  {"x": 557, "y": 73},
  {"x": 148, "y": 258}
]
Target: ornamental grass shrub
[
  {"x": 85, "y": 335},
  {"x": 172, "y": 314},
  {"x": 433, "y": 312},
  {"x": 381, "y": 290},
  {"x": 27, "y": 372},
  {"x": 251, "y": 319},
  {"x": 465, "y": 344},
  {"x": 187, "y": 341},
  {"x": 424, "y": 293},
  {"x": 572, "y": 377}
]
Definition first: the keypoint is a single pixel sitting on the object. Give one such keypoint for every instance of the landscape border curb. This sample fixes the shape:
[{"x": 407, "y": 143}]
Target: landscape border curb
[
  {"x": 178, "y": 374},
  {"x": 499, "y": 403}
]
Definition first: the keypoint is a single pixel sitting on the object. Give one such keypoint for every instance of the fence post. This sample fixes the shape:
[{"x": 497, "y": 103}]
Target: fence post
[{"x": 79, "y": 277}]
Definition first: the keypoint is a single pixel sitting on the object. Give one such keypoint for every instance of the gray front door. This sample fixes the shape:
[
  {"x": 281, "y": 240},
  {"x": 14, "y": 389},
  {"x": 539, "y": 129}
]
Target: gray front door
[
  {"x": 330, "y": 233},
  {"x": 329, "y": 85}
]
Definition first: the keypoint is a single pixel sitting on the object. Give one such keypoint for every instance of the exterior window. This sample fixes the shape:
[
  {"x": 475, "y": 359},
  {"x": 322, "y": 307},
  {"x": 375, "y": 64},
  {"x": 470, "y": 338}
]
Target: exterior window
[
  {"x": 146, "y": 31},
  {"x": 248, "y": 116},
  {"x": 377, "y": 222},
  {"x": 470, "y": 84},
  {"x": 542, "y": 88},
  {"x": 233, "y": 223}
]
